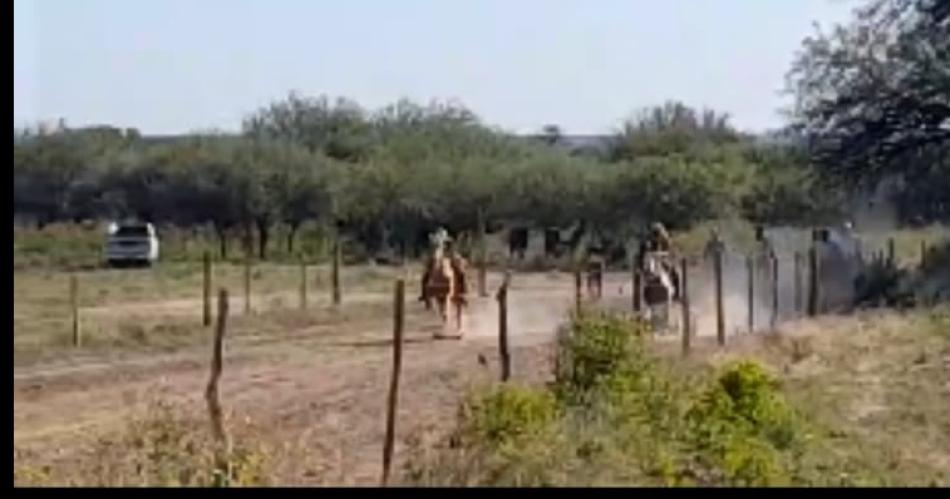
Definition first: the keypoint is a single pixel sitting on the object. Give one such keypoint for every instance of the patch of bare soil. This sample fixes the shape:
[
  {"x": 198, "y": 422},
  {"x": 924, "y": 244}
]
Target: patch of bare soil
[{"x": 322, "y": 394}]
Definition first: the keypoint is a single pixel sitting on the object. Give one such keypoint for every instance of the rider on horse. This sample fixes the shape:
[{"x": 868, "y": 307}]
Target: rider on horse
[
  {"x": 659, "y": 241},
  {"x": 441, "y": 239}
]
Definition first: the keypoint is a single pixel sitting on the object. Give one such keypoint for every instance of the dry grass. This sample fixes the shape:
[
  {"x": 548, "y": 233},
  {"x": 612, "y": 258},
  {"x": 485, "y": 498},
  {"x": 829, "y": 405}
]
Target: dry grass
[
  {"x": 877, "y": 382},
  {"x": 166, "y": 445},
  {"x": 868, "y": 398},
  {"x": 160, "y": 308}
]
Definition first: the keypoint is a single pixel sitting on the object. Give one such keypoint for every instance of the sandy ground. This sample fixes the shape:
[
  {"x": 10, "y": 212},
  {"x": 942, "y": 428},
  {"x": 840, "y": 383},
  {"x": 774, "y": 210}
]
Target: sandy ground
[
  {"x": 309, "y": 387},
  {"x": 305, "y": 386}
]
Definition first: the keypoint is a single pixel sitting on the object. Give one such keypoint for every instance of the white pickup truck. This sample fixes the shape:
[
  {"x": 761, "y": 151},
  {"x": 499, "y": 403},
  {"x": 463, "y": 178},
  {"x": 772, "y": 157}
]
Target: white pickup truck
[{"x": 131, "y": 243}]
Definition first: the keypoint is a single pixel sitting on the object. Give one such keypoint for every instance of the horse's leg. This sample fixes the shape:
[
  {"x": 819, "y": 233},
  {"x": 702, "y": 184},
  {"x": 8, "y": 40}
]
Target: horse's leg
[{"x": 440, "y": 305}]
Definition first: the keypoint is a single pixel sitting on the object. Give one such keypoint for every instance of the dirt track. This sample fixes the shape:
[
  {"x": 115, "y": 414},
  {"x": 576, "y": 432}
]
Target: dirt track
[
  {"x": 314, "y": 387},
  {"x": 322, "y": 387}
]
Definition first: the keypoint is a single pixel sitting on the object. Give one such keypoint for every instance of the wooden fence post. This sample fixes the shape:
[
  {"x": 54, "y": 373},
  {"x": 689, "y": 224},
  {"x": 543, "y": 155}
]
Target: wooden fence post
[
  {"x": 502, "y": 297},
  {"x": 482, "y": 257},
  {"x": 750, "y": 266},
  {"x": 720, "y": 315},
  {"x": 206, "y": 289},
  {"x": 774, "y": 318},
  {"x": 247, "y": 283},
  {"x": 399, "y": 304},
  {"x": 335, "y": 272},
  {"x": 685, "y": 301},
  {"x": 577, "y": 289},
  {"x": 74, "y": 305},
  {"x": 813, "y": 281},
  {"x": 923, "y": 254},
  {"x": 798, "y": 283},
  {"x": 303, "y": 283},
  {"x": 211, "y": 392}
]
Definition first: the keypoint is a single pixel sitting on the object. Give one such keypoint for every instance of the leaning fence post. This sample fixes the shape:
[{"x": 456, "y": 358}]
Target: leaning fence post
[
  {"x": 206, "y": 289},
  {"x": 750, "y": 266},
  {"x": 211, "y": 392},
  {"x": 502, "y": 297},
  {"x": 684, "y": 297},
  {"x": 398, "y": 316},
  {"x": 720, "y": 316},
  {"x": 74, "y": 306}
]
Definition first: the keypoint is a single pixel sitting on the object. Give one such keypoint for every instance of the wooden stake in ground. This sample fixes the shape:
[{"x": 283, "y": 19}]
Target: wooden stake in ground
[
  {"x": 399, "y": 304},
  {"x": 303, "y": 284},
  {"x": 577, "y": 289},
  {"x": 750, "y": 266},
  {"x": 335, "y": 272},
  {"x": 206, "y": 289},
  {"x": 684, "y": 299},
  {"x": 74, "y": 305},
  {"x": 774, "y": 318},
  {"x": 211, "y": 392},
  {"x": 502, "y": 298},
  {"x": 720, "y": 315},
  {"x": 923, "y": 254},
  {"x": 813, "y": 281},
  {"x": 798, "y": 283},
  {"x": 482, "y": 257},
  {"x": 247, "y": 283}
]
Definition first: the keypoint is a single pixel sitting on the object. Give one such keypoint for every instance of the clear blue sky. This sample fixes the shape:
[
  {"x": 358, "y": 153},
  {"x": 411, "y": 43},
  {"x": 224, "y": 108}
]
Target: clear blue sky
[{"x": 172, "y": 66}]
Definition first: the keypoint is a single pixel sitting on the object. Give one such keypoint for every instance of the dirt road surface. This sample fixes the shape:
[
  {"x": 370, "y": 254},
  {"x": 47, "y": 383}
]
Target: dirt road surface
[{"x": 323, "y": 387}]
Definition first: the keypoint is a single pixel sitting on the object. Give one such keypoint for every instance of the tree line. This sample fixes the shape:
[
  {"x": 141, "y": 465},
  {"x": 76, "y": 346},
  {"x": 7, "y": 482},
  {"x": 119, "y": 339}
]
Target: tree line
[
  {"x": 382, "y": 178},
  {"x": 385, "y": 177}
]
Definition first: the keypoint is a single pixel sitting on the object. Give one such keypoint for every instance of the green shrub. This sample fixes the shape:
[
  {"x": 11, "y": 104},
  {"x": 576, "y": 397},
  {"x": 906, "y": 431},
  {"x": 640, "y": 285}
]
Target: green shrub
[
  {"x": 507, "y": 413},
  {"x": 596, "y": 347}
]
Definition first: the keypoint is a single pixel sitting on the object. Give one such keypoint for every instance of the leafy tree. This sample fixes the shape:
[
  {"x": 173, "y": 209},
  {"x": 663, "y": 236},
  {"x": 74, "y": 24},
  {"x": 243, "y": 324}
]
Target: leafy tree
[{"x": 871, "y": 96}]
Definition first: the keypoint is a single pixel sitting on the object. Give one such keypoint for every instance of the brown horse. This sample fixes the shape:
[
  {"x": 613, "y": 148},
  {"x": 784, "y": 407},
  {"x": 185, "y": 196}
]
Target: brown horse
[{"x": 445, "y": 283}]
